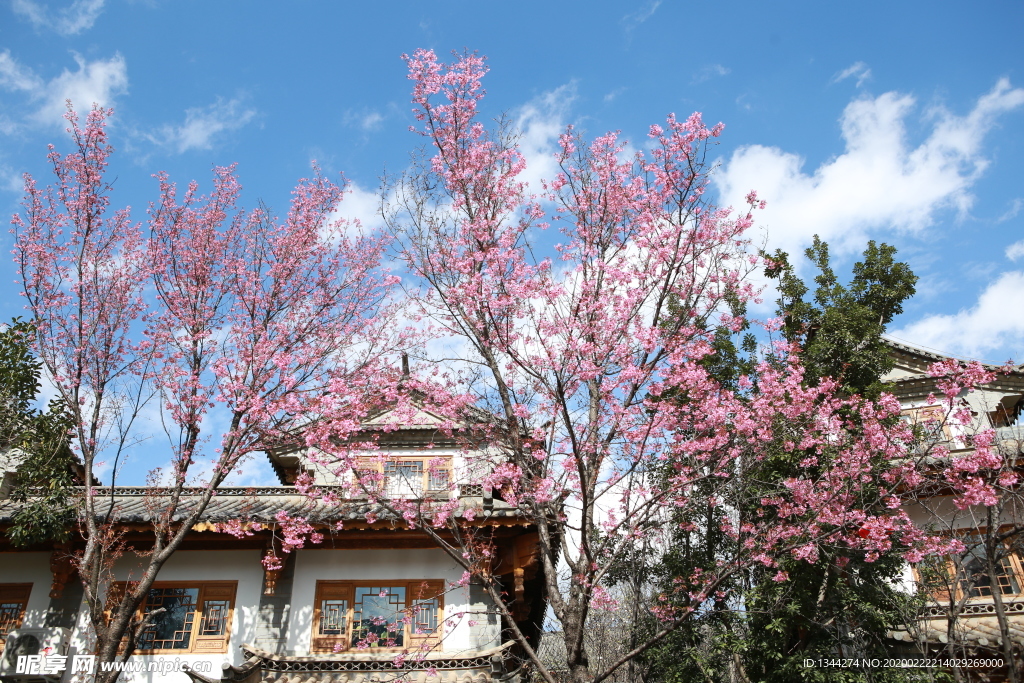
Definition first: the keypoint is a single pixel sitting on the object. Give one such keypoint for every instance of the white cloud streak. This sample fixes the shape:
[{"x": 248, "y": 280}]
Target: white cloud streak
[
  {"x": 203, "y": 124},
  {"x": 1015, "y": 206},
  {"x": 610, "y": 97},
  {"x": 1015, "y": 250},
  {"x": 859, "y": 70},
  {"x": 634, "y": 19},
  {"x": 708, "y": 72},
  {"x": 371, "y": 121},
  {"x": 79, "y": 16}
]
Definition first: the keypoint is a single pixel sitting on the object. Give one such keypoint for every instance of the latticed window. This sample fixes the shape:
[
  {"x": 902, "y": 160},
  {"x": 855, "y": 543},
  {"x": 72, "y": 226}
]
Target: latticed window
[
  {"x": 378, "y": 616},
  {"x": 333, "y": 618},
  {"x": 404, "y": 479},
  {"x": 172, "y": 629},
  {"x": 976, "y": 581},
  {"x": 424, "y": 615},
  {"x": 967, "y": 575},
  {"x": 215, "y": 618},
  {"x": 13, "y": 601},
  {"x": 929, "y": 423},
  {"x": 407, "y": 477},
  {"x": 196, "y": 617},
  {"x": 361, "y": 615}
]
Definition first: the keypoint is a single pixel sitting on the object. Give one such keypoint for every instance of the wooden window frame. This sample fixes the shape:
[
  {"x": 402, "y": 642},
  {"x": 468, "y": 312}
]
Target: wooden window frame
[
  {"x": 921, "y": 415},
  {"x": 952, "y": 565},
  {"x": 425, "y": 490},
  {"x": 14, "y": 593},
  {"x": 1016, "y": 572},
  {"x": 208, "y": 591},
  {"x": 415, "y": 591}
]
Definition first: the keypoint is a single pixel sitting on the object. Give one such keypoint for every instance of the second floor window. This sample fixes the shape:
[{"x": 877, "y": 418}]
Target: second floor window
[
  {"x": 930, "y": 423},
  {"x": 976, "y": 580},
  {"x": 967, "y": 576},
  {"x": 407, "y": 477}
]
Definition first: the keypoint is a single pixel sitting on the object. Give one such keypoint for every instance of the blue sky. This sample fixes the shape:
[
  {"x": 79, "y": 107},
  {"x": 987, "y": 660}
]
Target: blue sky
[{"x": 899, "y": 122}]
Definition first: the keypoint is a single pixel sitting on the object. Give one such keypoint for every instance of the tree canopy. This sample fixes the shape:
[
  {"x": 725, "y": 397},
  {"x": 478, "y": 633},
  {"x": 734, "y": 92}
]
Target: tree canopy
[{"x": 34, "y": 443}]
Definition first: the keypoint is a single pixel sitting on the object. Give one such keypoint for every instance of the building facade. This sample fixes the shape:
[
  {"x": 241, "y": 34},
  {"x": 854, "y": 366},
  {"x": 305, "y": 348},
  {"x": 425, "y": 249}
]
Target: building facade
[
  {"x": 973, "y": 602},
  {"x": 373, "y": 600}
]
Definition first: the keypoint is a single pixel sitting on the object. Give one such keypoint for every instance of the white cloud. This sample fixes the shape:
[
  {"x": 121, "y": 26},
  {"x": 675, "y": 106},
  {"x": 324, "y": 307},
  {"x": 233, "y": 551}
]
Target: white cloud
[
  {"x": 541, "y": 121},
  {"x": 203, "y": 124},
  {"x": 992, "y": 324},
  {"x": 1015, "y": 206},
  {"x": 858, "y": 69},
  {"x": 610, "y": 97},
  {"x": 878, "y": 182},
  {"x": 79, "y": 16},
  {"x": 14, "y": 76},
  {"x": 360, "y": 209},
  {"x": 254, "y": 470},
  {"x": 371, "y": 121},
  {"x": 634, "y": 19},
  {"x": 708, "y": 72},
  {"x": 94, "y": 82},
  {"x": 97, "y": 82},
  {"x": 1015, "y": 250},
  {"x": 366, "y": 120},
  {"x": 11, "y": 180}
]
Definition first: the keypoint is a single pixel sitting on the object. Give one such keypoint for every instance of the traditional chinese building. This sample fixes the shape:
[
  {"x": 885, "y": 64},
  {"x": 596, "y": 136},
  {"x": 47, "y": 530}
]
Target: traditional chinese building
[
  {"x": 374, "y": 600},
  {"x": 964, "y": 598}
]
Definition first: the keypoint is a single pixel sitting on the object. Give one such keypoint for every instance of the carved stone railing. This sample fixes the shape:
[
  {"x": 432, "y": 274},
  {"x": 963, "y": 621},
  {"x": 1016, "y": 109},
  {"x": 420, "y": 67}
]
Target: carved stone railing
[
  {"x": 977, "y": 609},
  {"x": 481, "y": 666},
  {"x": 1013, "y": 433}
]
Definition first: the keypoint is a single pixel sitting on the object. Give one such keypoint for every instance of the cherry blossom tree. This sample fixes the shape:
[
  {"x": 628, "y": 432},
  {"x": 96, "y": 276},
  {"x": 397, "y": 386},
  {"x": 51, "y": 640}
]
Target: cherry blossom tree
[
  {"x": 585, "y": 349},
  {"x": 233, "y": 321}
]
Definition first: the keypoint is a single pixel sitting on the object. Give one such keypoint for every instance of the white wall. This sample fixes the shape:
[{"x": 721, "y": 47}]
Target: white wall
[
  {"x": 242, "y": 566},
  {"x": 31, "y": 568},
  {"x": 314, "y": 565}
]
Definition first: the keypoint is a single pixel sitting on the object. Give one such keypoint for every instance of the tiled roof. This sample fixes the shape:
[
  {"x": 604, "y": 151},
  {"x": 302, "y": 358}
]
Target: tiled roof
[
  {"x": 982, "y": 632},
  {"x": 141, "y": 504},
  {"x": 977, "y": 625},
  {"x": 931, "y": 355}
]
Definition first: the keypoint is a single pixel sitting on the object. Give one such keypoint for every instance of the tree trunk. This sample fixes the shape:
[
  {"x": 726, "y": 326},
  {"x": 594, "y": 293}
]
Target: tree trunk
[{"x": 992, "y": 552}]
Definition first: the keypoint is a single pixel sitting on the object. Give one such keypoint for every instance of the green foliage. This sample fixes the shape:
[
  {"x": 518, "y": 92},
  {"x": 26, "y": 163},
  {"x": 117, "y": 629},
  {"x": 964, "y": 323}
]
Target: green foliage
[
  {"x": 19, "y": 383},
  {"x": 840, "y": 329},
  {"x": 840, "y": 605},
  {"x": 703, "y": 648},
  {"x": 36, "y": 442},
  {"x": 826, "y": 609},
  {"x": 734, "y": 352}
]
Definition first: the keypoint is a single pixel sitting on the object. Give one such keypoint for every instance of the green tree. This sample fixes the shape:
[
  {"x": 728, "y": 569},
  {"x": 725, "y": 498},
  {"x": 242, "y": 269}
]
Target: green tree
[
  {"x": 841, "y": 604},
  {"x": 840, "y": 329},
  {"x": 33, "y": 443}
]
